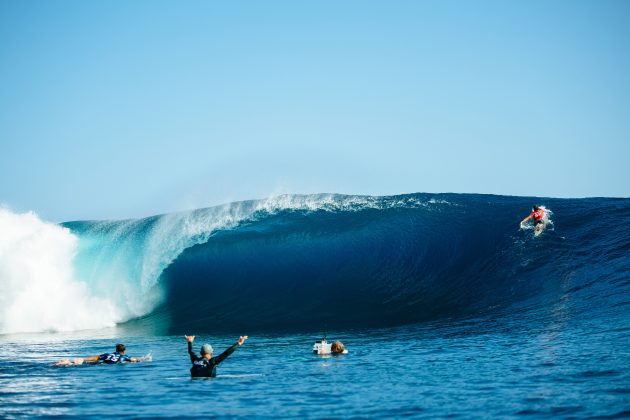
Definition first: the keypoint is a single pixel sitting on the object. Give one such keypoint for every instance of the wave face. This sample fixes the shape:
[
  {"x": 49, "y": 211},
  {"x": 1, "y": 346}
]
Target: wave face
[
  {"x": 398, "y": 260},
  {"x": 330, "y": 261}
]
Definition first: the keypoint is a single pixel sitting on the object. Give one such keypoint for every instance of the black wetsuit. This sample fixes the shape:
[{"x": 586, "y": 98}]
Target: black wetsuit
[{"x": 207, "y": 368}]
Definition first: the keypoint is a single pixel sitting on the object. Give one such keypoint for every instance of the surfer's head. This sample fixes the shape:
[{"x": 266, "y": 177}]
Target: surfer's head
[
  {"x": 206, "y": 350},
  {"x": 535, "y": 208},
  {"x": 337, "y": 347},
  {"x": 120, "y": 348}
]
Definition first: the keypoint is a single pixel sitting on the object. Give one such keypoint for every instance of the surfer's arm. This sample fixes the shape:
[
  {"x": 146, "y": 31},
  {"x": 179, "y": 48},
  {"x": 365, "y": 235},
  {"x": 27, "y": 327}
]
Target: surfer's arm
[
  {"x": 231, "y": 350},
  {"x": 526, "y": 219},
  {"x": 191, "y": 353},
  {"x": 225, "y": 354}
]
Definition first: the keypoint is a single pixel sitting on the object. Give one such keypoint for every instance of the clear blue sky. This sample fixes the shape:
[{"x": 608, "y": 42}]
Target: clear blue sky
[{"x": 117, "y": 109}]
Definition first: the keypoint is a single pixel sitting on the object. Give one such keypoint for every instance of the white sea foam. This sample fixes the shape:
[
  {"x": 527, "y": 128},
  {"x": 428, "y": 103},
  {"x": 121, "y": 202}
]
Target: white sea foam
[{"x": 39, "y": 289}]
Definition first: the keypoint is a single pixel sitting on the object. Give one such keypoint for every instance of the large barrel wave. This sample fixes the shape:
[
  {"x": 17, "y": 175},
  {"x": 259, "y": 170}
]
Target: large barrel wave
[
  {"x": 427, "y": 257},
  {"x": 330, "y": 261}
]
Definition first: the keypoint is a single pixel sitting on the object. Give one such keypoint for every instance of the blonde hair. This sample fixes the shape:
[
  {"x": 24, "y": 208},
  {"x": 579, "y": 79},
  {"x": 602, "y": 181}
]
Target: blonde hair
[{"x": 337, "y": 347}]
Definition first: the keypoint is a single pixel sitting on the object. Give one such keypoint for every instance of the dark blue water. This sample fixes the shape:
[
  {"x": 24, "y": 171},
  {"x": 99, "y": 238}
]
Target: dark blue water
[
  {"x": 557, "y": 367},
  {"x": 447, "y": 308}
]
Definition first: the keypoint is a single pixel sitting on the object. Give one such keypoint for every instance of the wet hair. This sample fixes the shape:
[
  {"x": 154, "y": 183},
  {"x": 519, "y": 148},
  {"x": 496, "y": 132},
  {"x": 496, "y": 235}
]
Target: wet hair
[
  {"x": 120, "y": 348},
  {"x": 534, "y": 208},
  {"x": 337, "y": 347}
]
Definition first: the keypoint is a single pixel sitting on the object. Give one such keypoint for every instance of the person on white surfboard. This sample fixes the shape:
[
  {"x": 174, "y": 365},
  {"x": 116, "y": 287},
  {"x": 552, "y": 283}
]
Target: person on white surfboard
[
  {"x": 118, "y": 356},
  {"x": 538, "y": 214}
]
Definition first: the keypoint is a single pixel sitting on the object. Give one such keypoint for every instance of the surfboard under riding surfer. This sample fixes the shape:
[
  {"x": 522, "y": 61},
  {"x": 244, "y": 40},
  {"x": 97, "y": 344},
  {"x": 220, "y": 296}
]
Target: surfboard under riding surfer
[{"x": 538, "y": 214}]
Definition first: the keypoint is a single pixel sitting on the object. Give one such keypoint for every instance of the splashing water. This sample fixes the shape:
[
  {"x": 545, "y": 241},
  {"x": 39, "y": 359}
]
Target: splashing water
[{"x": 39, "y": 288}]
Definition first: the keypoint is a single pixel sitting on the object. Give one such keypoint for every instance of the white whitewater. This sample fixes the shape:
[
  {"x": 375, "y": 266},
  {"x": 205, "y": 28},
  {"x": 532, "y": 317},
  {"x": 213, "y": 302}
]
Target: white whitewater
[{"x": 39, "y": 289}]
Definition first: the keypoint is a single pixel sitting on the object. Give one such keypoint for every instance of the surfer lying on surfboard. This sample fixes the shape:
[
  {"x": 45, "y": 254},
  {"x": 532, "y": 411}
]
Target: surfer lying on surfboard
[
  {"x": 538, "y": 214},
  {"x": 107, "y": 358}
]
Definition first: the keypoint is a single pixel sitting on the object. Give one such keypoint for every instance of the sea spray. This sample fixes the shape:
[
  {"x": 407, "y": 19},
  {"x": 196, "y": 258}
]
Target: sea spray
[{"x": 39, "y": 289}]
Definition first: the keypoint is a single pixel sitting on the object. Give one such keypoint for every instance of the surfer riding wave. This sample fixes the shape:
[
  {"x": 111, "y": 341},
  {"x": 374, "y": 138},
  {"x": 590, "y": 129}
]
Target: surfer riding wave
[{"x": 540, "y": 216}]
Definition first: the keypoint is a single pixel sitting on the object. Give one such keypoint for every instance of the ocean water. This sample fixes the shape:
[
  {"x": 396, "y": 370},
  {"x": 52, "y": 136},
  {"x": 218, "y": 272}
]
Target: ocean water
[{"x": 448, "y": 309}]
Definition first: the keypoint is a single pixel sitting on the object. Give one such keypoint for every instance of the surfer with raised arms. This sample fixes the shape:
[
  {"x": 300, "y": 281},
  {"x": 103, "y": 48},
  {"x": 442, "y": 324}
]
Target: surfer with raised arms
[
  {"x": 206, "y": 365},
  {"x": 538, "y": 214},
  {"x": 107, "y": 358}
]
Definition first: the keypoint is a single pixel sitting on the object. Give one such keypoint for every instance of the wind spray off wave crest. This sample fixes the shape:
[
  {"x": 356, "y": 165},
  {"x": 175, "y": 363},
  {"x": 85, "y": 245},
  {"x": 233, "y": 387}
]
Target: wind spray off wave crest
[
  {"x": 39, "y": 289},
  {"x": 173, "y": 233}
]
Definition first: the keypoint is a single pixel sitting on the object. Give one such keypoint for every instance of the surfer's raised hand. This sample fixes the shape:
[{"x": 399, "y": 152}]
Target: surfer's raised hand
[
  {"x": 189, "y": 338},
  {"x": 242, "y": 339}
]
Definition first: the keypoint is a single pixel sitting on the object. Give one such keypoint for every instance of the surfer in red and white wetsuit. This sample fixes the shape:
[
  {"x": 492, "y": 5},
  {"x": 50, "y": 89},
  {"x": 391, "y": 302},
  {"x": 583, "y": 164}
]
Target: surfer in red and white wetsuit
[{"x": 538, "y": 214}]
